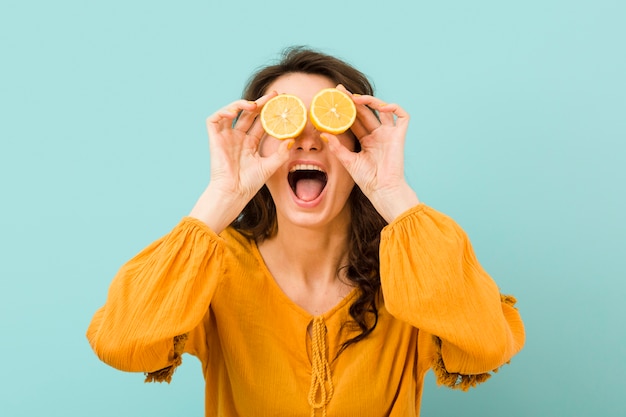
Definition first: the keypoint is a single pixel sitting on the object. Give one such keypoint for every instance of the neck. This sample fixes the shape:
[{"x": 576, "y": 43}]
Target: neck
[
  {"x": 306, "y": 262},
  {"x": 306, "y": 265},
  {"x": 311, "y": 256}
]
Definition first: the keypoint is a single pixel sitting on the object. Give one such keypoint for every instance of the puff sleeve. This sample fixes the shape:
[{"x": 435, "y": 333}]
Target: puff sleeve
[
  {"x": 431, "y": 279},
  {"x": 157, "y": 299}
]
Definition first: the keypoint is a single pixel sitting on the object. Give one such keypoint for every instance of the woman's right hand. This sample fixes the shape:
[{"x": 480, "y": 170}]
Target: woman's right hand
[{"x": 238, "y": 171}]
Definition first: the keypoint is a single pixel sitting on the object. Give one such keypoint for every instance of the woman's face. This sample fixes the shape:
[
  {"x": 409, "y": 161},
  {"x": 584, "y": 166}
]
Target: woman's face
[{"x": 312, "y": 189}]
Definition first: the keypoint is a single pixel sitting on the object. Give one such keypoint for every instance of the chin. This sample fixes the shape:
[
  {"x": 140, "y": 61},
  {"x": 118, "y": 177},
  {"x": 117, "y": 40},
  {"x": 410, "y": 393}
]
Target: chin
[{"x": 315, "y": 218}]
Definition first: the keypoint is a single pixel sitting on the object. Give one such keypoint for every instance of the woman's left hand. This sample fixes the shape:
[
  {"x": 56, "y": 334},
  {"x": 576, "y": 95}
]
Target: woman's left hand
[{"x": 378, "y": 169}]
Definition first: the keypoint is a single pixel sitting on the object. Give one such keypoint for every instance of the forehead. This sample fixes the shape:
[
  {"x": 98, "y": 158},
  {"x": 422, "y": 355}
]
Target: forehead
[{"x": 305, "y": 86}]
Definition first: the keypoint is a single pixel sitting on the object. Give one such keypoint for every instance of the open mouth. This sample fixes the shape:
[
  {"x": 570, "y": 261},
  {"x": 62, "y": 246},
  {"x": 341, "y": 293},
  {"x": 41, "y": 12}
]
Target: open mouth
[{"x": 307, "y": 181}]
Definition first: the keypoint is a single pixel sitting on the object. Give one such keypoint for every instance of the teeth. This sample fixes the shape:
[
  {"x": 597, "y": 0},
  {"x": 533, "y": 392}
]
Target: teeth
[{"x": 305, "y": 167}]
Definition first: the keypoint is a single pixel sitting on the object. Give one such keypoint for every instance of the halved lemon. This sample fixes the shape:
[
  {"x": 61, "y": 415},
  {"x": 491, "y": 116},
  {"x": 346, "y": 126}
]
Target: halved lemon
[
  {"x": 284, "y": 116},
  {"x": 332, "y": 111}
]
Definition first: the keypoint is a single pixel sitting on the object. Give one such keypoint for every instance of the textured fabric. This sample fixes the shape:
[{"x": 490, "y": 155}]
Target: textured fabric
[{"x": 212, "y": 296}]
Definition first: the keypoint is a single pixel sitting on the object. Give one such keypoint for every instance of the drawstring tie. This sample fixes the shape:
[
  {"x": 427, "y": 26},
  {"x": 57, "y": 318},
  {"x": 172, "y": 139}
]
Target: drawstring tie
[{"x": 321, "y": 383}]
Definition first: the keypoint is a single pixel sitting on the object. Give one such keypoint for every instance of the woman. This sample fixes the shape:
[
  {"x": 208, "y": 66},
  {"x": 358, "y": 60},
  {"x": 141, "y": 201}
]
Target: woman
[{"x": 308, "y": 278}]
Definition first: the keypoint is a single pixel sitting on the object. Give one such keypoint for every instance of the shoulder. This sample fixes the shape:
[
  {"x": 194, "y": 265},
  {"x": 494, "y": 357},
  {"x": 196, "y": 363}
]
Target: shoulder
[{"x": 237, "y": 242}]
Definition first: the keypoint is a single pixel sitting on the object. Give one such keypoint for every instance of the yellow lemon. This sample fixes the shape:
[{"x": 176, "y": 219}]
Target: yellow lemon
[
  {"x": 284, "y": 116},
  {"x": 332, "y": 111}
]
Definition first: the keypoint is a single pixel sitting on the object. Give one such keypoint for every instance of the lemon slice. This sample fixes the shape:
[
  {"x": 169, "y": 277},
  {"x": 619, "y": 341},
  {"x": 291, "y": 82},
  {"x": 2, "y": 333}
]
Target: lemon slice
[
  {"x": 284, "y": 116},
  {"x": 332, "y": 111}
]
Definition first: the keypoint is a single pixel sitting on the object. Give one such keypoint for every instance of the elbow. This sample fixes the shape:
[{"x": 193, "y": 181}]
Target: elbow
[
  {"x": 505, "y": 342},
  {"x": 498, "y": 346},
  {"x": 492, "y": 355},
  {"x": 126, "y": 352},
  {"x": 126, "y": 355},
  {"x": 112, "y": 354},
  {"x": 475, "y": 361},
  {"x": 480, "y": 355},
  {"x": 493, "y": 352},
  {"x": 463, "y": 369}
]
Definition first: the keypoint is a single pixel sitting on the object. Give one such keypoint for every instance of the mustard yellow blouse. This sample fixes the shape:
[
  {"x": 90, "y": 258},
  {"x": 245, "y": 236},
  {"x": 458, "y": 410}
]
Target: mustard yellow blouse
[{"x": 262, "y": 355}]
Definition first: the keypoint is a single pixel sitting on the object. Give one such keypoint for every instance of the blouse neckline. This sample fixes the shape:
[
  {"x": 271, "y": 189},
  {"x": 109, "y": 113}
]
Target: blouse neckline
[{"x": 280, "y": 293}]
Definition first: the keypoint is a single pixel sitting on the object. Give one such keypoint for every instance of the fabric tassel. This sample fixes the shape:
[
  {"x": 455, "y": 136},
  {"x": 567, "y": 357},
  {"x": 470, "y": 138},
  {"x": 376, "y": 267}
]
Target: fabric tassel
[
  {"x": 165, "y": 374},
  {"x": 459, "y": 381}
]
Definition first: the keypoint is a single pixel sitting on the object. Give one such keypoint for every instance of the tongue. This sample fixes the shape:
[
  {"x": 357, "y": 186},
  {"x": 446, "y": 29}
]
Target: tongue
[{"x": 308, "y": 189}]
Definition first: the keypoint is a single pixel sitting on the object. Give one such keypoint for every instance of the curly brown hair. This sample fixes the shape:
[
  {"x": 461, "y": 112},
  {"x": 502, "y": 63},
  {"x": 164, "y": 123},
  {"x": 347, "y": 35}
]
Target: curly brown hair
[{"x": 258, "y": 218}]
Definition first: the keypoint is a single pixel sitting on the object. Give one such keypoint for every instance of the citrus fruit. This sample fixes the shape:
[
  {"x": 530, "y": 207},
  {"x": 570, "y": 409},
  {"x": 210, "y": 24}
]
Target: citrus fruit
[
  {"x": 284, "y": 116},
  {"x": 332, "y": 111}
]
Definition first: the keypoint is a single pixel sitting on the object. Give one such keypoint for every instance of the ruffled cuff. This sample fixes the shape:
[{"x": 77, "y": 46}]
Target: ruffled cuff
[
  {"x": 165, "y": 374},
  {"x": 456, "y": 380}
]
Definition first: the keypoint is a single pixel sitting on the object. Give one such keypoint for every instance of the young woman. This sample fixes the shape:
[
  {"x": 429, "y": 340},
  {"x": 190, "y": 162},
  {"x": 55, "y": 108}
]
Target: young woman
[{"x": 308, "y": 278}]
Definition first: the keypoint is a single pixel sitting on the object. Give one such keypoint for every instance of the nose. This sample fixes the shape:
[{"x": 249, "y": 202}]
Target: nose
[{"x": 309, "y": 139}]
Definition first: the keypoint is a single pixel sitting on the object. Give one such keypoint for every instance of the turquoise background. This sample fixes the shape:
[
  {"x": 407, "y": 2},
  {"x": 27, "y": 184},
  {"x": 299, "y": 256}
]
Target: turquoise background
[{"x": 518, "y": 131}]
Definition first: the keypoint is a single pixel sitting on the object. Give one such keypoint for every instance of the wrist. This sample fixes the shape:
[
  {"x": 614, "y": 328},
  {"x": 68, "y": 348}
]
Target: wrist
[
  {"x": 217, "y": 209},
  {"x": 392, "y": 202}
]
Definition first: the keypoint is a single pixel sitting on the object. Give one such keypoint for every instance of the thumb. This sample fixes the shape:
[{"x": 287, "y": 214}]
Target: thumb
[
  {"x": 345, "y": 156},
  {"x": 277, "y": 159}
]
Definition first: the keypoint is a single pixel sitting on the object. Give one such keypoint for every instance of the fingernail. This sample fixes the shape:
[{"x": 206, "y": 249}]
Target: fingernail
[
  {"x": 290, "y": 144},
  {"x": 382, "y": 104},
  {"x": 324, "y": 137},
  {"x": 356, "y": 94}
]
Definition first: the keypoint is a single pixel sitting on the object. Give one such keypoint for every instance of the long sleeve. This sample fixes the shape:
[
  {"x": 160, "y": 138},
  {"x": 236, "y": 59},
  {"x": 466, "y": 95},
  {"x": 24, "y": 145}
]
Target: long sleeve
[
  {"x": 432, "y": 280},
  {"x": 157, "y": 298}
]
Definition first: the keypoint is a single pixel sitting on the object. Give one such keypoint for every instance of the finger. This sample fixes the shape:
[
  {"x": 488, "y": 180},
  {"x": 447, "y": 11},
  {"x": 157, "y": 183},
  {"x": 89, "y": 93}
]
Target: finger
[
  {"x": 224, "y": 117},
  {"x": 216, "y": 120},
  {"x": 274, "y": 161},
  {"x": 245, "y": 111},
  {"x": 345, "y": 156},
  {"x": 386, "y": 114},
  {"x": 214, "y": 123},
  {"x": 342, "y": 88},
  {"x": 358, "y": 129},
  {"x": 246, "y": 119},
  {"x": 265, "y": 98},
  {"x": 400, "y": 116},
  {"x": 256, "y": 130},
  {"x": 254, "y": 126},
  {"x": 366, "y": 111},
  {"x": 238, "y": 106}
]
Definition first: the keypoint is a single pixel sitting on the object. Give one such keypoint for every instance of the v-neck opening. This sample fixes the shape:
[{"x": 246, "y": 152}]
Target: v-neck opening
[{"x": 300, "y": 310}]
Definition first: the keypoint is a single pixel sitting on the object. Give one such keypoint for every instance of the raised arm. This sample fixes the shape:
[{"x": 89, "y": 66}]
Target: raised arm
[
  {"x": 157, "y": 298},
  {"x": 238, "y": 170},
  {"x": 162, "y": 294},
  {"x": 431, "y": 279}
]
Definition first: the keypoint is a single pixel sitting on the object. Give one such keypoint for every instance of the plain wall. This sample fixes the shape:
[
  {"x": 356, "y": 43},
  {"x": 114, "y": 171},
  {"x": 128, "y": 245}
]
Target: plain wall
[{"x": 518, "y": 132}]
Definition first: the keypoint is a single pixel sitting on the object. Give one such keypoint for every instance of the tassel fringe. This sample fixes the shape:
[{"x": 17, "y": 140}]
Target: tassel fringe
[
  {"x": 165, "y": 374},
  {"x": 508, "y": 300},
  {"x": 459, "y": 381}
]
